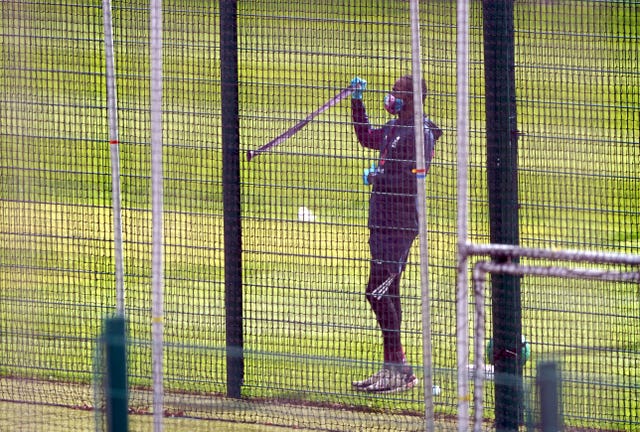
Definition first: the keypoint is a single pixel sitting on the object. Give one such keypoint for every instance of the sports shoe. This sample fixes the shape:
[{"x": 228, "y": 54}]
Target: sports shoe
[
  {"x": 361, "y": 385},
  {"x": 392, "y": 380}
]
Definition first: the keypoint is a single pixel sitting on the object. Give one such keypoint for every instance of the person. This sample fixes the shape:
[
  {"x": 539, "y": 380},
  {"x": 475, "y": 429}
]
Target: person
[{"x": 392, "y": 221}]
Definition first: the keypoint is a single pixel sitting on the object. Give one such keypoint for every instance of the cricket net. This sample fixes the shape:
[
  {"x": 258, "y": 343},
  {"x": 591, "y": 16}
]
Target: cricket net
[{"x": 76, "y": 127}]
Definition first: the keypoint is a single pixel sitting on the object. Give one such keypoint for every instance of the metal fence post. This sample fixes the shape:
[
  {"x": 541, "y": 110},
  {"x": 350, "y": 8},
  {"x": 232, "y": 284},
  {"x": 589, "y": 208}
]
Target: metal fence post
[
  {"x": 231, "y": 195},
  {"x": 116, "y": 388},
  {"x": 502, "y": 180},
  {"x": 549, "y": 383}
]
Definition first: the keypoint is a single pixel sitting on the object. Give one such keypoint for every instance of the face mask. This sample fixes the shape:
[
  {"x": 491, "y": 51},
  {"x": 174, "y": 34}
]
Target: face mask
[{"x": 392, "y": 104}]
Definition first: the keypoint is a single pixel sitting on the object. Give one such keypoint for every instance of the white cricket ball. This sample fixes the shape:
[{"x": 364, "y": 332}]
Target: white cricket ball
[{"x": 305, "y": 215}]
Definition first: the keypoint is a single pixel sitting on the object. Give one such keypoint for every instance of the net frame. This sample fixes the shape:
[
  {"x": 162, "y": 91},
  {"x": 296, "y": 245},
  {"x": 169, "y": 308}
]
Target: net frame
[
  {"x": 114, "y": 148},
  {"x": 418, "y": 115},
  {"x": 484, "y": 267},
  {"x": 462, "y": 139},
  {"x": 157, "y": 208}
]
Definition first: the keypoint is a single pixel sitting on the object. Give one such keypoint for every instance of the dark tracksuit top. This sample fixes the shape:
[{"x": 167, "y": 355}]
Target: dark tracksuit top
[{"x": 393, "y": 201}]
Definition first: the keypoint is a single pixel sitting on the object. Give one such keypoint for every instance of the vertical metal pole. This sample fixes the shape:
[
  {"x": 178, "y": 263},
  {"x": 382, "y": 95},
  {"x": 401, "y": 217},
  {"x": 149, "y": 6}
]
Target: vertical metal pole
[
  {"x": 462, "y": 291},
  {"x": 418, "y": 123},
  {"x": 157, "y": 204},
  {"x": 112, "y": 106},
  {"x": 549, "y": 394},
  {"x": 478, "y": 347},
  {"x": 116, "y": 387},
  {"x": 231, "y": 195},
  {"x": 502, "y": 178}
]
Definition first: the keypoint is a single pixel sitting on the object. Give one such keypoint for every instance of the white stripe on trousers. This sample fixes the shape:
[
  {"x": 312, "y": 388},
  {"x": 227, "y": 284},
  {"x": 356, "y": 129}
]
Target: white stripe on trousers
[{"x": 383, "y": 288}]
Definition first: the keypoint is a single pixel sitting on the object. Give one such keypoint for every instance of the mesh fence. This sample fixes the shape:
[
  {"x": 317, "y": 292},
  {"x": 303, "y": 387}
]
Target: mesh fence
[
  {"x": 308, "y": 329},
  {"x": 55, "y": 266},
  {"x": 587, "y": 346}
]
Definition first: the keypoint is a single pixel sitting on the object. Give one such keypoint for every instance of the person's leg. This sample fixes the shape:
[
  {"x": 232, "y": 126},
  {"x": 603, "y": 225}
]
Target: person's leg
[
  {"x": 381, "y": 282},
  {"x": 383, "y": 296},
  {"x": 392, "y": 339},
  {"x": 389, "y": 251},
  {"x": 379, "y": 294},
  {"x": 403, "y": 246}
]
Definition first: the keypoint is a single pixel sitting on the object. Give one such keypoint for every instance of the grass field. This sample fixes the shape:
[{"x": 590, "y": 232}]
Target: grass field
[
  {"x": 308, "y": 330},
  {"x": 60, "y": 419}
]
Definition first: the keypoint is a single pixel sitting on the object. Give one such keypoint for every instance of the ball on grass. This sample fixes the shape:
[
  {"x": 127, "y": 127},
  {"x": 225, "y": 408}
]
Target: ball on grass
[{"x": 305, "y": 215}]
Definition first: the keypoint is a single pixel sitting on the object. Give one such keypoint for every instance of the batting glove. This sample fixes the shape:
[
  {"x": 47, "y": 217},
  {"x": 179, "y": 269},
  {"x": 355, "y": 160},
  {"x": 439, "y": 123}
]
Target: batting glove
[{"x": 358, "y": 85}]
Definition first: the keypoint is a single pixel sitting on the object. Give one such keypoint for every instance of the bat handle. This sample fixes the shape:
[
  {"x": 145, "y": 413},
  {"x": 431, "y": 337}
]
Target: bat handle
[{"x": 250, "y": 155}]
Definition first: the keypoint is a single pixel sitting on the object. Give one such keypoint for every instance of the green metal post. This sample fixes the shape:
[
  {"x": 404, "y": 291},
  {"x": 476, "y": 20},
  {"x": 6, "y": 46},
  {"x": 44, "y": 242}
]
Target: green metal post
[
  {"x": 116, "y": 378},
  {"x": 231, "y": 195},
  {"x": 548, "y": 382},
  {"x": 502, "y": 179}
]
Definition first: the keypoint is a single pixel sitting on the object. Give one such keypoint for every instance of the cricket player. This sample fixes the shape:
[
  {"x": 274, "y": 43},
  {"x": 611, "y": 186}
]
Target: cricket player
[{"x": 393, "y": 220}]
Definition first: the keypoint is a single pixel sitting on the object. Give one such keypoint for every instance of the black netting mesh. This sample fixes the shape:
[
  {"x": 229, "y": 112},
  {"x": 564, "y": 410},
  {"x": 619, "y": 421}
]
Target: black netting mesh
[{"x": 308, "y": 329}]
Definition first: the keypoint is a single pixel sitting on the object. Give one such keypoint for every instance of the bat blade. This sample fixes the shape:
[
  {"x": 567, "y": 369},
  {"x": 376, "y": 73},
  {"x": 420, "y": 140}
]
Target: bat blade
[{"x": 294, "y": 129}]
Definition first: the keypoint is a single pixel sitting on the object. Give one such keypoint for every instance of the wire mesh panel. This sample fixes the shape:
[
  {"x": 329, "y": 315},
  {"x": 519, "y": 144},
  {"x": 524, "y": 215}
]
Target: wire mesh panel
[
  {"x": 308, "y": 327},
  {"x": 577, "y": 183},
  {"x": 309, "y": 330},
  {"x": 594, "y": 344},
  {"x": 56, "y": 245},
  {"x": 577, "y": 116},
  {"x": 193, "y": 240},
  {"x": 578, "y": 122},
  {"x": 194, "y": 302}
]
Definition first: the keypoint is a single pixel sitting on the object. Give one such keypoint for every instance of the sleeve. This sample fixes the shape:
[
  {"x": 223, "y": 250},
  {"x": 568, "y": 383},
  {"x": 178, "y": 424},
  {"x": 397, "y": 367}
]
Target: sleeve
[{"x": 368, "y": 136}]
